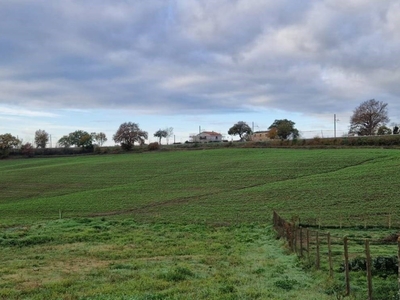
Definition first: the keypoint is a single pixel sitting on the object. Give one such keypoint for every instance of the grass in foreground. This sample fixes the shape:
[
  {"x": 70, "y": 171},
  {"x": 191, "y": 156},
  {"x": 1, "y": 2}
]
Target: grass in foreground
[{"x": 121, "y": 259}]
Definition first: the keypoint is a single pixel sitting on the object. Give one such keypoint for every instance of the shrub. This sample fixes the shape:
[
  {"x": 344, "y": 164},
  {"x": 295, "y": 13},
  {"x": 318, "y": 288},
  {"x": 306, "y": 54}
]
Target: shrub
[
  {"x": 27, "y": 150},
  {"x": 153, "y": 146},
  {"x": 286, "y": 283},
  {"x": 97, "y": 149}
]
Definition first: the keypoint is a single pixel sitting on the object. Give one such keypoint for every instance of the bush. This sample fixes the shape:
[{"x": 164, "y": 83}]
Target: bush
[
  {"x": 153, "y": 146},
  {"x": 27, "y": 150}
]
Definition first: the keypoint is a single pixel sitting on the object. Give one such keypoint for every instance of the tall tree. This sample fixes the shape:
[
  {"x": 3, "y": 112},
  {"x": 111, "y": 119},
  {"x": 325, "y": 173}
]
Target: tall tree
[
  {"x": 240, "y": 128},
  {"x": 128, "y": 133},
  {"x": 100, "y": 138},
  {"x": 160, "y": 134},
  {"x": 41, "y": 138},
  {"x": 170, "y": 132},
  {"x": 284, "y": 129},
  {"x": 368, "y": 117}
]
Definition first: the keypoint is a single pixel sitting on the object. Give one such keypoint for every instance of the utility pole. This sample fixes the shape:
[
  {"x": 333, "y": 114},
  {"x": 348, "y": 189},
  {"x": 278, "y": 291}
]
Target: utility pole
[{"x": 334, "y": 125}]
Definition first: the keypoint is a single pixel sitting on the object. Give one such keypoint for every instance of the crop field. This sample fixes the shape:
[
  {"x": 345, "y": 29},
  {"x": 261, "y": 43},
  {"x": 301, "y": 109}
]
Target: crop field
[{"x": 181, "y": 224}]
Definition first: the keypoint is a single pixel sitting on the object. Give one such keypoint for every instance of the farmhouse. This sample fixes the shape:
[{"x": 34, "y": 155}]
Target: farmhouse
[
  {"x": 260, "y": 136},
  {"x": 207, "y": 136}
]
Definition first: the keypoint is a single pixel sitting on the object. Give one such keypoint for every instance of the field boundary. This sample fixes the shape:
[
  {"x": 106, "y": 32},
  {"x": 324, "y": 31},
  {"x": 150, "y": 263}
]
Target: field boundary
[{"x": 315, "y": 248}]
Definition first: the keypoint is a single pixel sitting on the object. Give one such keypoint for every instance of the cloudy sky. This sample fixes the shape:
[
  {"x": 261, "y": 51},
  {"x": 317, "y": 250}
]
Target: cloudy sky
[{"x": 187, "y": 64}]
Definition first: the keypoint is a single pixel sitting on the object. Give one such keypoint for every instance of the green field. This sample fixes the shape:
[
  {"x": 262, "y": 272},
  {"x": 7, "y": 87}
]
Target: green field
[{"x": 180, "y": 224}]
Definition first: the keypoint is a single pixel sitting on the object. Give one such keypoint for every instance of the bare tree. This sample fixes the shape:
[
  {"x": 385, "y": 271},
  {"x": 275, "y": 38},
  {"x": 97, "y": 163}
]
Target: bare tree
[
  {"x": 100, "y": 138},
  {"x": 368, "y": 117},
  {"x": 170, "y": 132},
  {"x": 41, "y": 138},
  {"x": 128, "y": 133}
]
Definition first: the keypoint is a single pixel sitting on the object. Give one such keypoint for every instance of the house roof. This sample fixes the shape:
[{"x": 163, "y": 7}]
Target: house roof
[{"x": 210, "y": 133}]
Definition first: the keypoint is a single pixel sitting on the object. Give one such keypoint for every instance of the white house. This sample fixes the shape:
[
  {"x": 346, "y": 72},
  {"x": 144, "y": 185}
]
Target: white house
[{"x": 207, "y": 136}]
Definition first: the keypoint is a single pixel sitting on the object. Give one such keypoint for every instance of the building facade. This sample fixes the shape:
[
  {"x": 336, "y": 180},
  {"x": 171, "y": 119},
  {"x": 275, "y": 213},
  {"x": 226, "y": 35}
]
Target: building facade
[{"x": 207, "y": 136}]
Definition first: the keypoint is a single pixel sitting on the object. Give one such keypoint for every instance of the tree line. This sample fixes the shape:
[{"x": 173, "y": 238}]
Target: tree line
[
  {"x": 127, "y": 135},
  {"x": 369, "y": 118}
]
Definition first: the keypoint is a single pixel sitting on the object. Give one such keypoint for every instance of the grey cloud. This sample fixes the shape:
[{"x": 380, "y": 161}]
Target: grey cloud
[{"x": 206, "y": 56}]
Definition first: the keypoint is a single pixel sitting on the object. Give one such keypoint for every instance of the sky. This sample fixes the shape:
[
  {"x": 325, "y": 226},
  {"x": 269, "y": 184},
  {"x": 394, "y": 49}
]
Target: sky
[{"x": 194, "y": 65}]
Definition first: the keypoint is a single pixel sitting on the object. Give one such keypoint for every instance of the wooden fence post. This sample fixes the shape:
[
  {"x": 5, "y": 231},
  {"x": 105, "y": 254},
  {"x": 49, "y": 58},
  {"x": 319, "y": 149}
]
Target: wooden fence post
[
  {"x": 301, "y": 242},
  {"x": 398, "y": 259},
  {"x": 308, "y": 244},
  {"x": 317, "y": 260},
  {"x": 346, "y": 266},
  {"x": 294, "y": 243},
  {"x": 330, "y": 256},
  {"x": 369, "y": 271},
  {"x": 289, "y": 234}
]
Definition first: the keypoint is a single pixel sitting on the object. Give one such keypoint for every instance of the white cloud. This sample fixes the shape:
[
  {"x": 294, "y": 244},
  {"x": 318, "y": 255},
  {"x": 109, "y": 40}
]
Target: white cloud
[{"x": 13, "y": 111}]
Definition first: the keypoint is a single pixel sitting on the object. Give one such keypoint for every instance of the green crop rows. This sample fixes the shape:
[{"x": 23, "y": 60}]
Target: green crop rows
[
  {"x": 228, "y": 185},
  {"x": 183, "y": 224}
]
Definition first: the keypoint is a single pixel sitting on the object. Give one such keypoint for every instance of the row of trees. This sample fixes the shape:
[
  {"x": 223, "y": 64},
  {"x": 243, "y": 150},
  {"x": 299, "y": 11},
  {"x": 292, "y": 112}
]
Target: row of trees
[
  {"x": 127, "y": 135},
  {"x": 369, "y": 118}
]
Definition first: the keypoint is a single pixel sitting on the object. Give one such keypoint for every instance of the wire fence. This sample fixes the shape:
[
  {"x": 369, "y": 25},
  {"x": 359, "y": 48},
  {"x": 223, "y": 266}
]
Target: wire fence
[{"x": 336, "y": 254}]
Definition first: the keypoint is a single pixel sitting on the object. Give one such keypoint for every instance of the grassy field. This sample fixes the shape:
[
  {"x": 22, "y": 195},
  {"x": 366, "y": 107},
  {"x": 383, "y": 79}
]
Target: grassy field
[{"x": 179, "y": 225}]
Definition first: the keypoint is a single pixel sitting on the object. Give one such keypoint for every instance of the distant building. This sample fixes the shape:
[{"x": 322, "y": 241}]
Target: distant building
[
  {"x": 207, "y": 136},
  {"x": 260, "y": 136}
]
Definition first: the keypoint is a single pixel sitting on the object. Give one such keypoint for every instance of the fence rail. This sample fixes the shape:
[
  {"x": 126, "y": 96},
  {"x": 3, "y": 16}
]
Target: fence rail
[{"x": 317, "y": 248}]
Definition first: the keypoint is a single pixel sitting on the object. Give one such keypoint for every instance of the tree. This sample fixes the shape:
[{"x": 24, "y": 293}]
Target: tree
[
  {"x": 383, "y": 130},
  {"x": 284, "y": 129},
  {"x": 128, "y": 133},
  {"x": 240, "y": 128},
  {"x": 368, "y": 117},
  {"x": 396, "y": 129},
  {"x": 80, "y": 138},
  {"x": 100, "y": 138},
  {"x": 64, "y": 141},
  {"x": 161, "y": 134},
  {"x": 41, "y": 138},
  {"x": 170, "y": 132},
  {"x": 7, "y": 142},
  {"x": 272, "y": 133}
]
